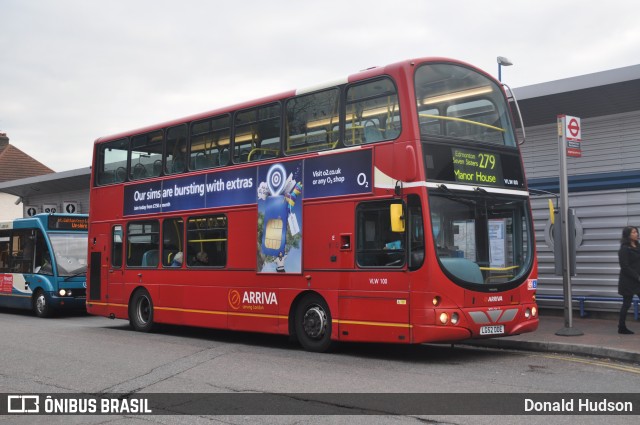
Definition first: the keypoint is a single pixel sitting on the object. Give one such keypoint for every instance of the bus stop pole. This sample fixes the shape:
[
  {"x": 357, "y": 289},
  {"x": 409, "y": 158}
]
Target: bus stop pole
[{"x": 568, "y": 329}]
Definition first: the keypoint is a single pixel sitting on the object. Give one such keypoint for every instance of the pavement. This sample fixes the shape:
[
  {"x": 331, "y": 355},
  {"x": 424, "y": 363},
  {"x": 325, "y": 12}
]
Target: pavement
[{"x": 600, "y": 337}]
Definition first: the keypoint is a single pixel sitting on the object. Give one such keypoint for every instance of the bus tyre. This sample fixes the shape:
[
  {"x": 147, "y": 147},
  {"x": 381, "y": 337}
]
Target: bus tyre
[
  {"x": 141, "y": 311},
  {"x": 313, "y": 323},
  {"x": 41, "y": 306}
]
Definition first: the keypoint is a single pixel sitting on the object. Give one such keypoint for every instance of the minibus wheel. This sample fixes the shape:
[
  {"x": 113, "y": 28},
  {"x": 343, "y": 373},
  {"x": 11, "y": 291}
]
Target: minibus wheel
[
  {"x": 141, "y": 311},
  {"x": 41, "y": 306},
  {"x": 313, "y": 323}
]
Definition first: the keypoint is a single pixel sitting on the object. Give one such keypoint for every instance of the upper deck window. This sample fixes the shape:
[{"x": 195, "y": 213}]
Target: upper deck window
[
  {"x": 175, "y": 155},
  {"x": 373, "y": 112},
  {"x": 146, "y": 155},
  {"x": 112, "y": 162},
  {"x": 457, "y": 102},
  {"x": 313, "y": 122},
  {"x": 210, "y": 143},
  {"x": 257, "y": 134}
]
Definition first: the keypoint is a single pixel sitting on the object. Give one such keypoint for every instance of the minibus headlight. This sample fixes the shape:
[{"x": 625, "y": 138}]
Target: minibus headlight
[{"x": 62, "y": 292}]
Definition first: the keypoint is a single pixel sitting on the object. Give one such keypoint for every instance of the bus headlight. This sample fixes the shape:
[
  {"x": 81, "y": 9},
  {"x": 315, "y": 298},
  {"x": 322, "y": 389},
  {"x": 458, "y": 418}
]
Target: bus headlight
[
  {"x": 527, "y": 313},
  {"x": 444, "y": 318},
  {"x": 62, "y": 292},
  {"x": 455, "y": 318},
  {"x": 436, "y": 301},
  {"x": 534, "y": 311}
]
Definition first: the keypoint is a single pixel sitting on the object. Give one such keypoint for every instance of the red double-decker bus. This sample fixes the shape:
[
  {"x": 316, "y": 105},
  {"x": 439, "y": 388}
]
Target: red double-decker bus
[{"x": 390, "y": 206}]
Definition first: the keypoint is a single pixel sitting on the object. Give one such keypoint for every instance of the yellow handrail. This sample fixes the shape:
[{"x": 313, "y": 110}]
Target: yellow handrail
[
  {"x": 207, "y": 240},
  {"x": 330, "y": 145},
  {"x": 266, "y": 150},
  {"x": 481, "y": 124},
  {"x": 499, "y": 269}
]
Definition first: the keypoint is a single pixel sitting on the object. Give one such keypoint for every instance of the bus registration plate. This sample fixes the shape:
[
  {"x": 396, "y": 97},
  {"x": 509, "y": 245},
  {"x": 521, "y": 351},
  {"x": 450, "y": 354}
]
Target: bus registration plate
[{"x": 492, "y": 330}]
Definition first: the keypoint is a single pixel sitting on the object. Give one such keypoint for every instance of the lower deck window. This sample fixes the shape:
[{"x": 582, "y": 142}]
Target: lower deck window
[
  {"x": 207, "y": 241},
  {"x": 377, "y": 244}
]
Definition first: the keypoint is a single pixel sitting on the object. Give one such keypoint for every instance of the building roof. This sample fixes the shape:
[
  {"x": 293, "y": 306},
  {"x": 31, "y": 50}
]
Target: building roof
[
  {"x": 602, "y": 93},
  {"x": 66, "y": 181},
  {"x": 15, "y": 164}
]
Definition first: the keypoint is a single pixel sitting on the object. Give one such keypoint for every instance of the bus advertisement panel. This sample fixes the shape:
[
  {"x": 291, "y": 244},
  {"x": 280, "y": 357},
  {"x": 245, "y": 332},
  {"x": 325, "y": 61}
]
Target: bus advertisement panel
[{"x": 390, "y": 207}]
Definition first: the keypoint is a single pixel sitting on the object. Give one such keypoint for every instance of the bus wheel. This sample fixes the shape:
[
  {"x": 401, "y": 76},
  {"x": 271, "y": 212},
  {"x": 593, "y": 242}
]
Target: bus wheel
[
  {"x": 141, "y": 311},
  {"x": 313, "y": 323},
  {"x": 41, "y": 306}
]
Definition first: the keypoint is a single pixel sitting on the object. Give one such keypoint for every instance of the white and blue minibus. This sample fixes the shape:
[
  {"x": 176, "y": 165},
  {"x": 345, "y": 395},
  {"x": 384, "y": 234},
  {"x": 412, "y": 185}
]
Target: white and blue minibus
[{"x": 43, "y": 263}]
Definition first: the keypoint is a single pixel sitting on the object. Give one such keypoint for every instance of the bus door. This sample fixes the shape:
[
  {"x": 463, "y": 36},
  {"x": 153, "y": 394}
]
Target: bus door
[
  {"x": 31, "y": 267},
  {"x": 114, "y": 276},
  {"x": 389, "y": 242},
  {"x": 98, "y": 249},
  {"x": 24, "y": 260},
  {"x": 14, "y": 288}
]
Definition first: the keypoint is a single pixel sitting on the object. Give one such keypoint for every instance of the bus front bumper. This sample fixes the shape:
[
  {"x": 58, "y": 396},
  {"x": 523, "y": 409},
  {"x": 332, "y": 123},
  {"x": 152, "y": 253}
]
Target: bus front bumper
[{"x": 66, "y": 303}]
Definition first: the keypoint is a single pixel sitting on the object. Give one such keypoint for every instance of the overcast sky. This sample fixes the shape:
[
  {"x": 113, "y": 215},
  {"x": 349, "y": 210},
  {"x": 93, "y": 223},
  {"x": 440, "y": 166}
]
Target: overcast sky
[{"x": 75, "y": 70}]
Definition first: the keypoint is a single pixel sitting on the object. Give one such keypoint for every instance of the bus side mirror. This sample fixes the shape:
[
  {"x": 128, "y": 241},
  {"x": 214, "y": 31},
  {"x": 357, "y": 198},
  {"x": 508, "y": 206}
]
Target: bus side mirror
[{"x": 397, "y": 218}]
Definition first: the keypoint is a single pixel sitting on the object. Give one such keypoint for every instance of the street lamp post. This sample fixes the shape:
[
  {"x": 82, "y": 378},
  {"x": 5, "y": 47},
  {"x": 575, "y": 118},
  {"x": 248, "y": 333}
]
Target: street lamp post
[{"x": 502, "y": 61}]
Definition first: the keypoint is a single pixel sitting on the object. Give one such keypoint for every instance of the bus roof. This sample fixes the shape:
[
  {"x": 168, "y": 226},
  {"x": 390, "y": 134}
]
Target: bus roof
[{"x": 361, "y": 75}]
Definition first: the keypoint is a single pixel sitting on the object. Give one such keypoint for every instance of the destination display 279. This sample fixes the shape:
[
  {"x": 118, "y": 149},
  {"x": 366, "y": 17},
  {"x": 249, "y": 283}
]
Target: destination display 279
[{"x": 474, "y": 166}]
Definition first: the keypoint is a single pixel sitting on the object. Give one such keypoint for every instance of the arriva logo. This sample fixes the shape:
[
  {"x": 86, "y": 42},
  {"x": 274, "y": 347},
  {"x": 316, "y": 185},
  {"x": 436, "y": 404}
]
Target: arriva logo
[
  {"x": 234, "y": 299},
  {"x": 495, "y": 299},
  {"x": 251, "y": 297}
]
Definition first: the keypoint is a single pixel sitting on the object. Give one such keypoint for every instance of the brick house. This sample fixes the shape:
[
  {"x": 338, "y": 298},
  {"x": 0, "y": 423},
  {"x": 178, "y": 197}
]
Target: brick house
[{"x": 14, "y": 165}]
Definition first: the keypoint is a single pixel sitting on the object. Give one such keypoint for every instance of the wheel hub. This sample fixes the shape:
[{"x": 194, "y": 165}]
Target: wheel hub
[
  {"x": 143, "y": 310},
  {"x": 41, "y": 303},
  {"x": 315, "y": 322}
]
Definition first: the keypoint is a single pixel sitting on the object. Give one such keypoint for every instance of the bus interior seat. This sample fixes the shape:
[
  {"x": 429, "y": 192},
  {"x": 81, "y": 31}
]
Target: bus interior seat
[
  {"x": 203, "y": 161},
  {"x": 176, "y": 164},
  {"x": 168, "y": 258},
  {"x": 255, "y": 154},
  {"x": 372, "y": 134},
  {"x": 223, "y": 156},
  {"x": 157, "y": 167},
  {"x": 463, "y": 268},
  {"x": 121, "y": 174},
  {"x": 139, "y": 171},
  {"x": 150, "y": 258},
  {"x": 107, "y": 177},
  {"x": 392, "y": 132}
]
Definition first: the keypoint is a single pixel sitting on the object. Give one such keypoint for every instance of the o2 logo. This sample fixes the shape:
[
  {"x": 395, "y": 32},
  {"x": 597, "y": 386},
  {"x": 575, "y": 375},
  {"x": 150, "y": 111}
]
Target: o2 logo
[{"x": 276, "y": 178}]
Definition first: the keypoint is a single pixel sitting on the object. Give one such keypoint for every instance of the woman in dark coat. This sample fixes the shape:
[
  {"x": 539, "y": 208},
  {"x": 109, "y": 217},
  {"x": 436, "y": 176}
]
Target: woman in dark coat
[{"x": 629, "y": 281}]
